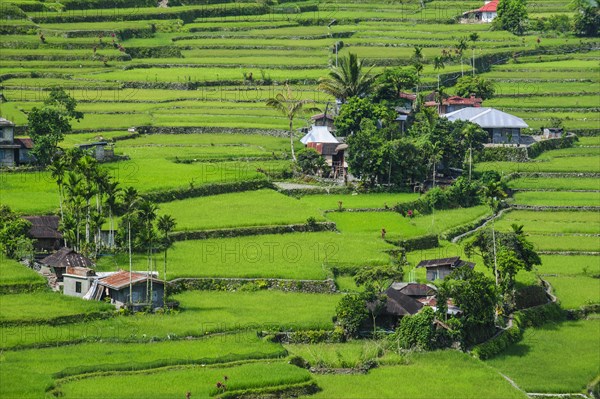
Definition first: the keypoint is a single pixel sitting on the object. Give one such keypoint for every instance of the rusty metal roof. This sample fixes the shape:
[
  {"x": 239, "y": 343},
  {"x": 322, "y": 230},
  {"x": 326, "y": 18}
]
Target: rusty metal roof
[
  {"x": 66, "y": 257},
  {"x": 24, "y": 142},
  {"x": 121, "y": 279},
  {"x": 80, "y": 271}
]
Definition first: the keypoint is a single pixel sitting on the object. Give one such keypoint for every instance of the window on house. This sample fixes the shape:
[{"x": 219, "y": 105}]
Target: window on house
[{"x": 78, "y": 286}]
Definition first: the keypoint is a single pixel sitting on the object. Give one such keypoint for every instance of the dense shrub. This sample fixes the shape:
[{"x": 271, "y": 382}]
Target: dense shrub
[
  {"x": 416, "y": 331},
  {"x": 351, "y": 313},
  {"x": 497, "y": 344},
  {"x": 207, "y": 189},
  {"x": 461, "y": 194}
]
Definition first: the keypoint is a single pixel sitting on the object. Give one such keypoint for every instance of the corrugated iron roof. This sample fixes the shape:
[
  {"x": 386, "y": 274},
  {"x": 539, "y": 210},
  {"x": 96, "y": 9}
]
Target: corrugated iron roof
[
  {"x": 121, "y": 279},
  {"x": 457, "y": 100},
  {"x": 487, "y": 118},
  {"x": 66, "y": 257},
  {"x": 492, "y": 6},
  {"x": 80, "y": 271},
  {"x": 318, "y": 134},
  {"x": 24, "y": 142}
]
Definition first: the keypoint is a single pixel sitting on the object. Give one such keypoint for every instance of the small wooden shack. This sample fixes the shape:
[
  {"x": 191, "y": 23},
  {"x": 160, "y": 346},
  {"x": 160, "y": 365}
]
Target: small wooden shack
[
  {"x": 440, "y": 268},
  {"x": 118, "y": 286},
  {"x": 64, "y": 258},
  {"x": 44, "y": 230}
]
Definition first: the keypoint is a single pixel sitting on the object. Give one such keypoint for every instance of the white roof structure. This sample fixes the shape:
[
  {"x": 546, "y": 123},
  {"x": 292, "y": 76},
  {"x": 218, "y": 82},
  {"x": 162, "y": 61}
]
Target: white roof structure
[
  {"x": 318, "y": 134},
  {"x": 487, "y": 118}
]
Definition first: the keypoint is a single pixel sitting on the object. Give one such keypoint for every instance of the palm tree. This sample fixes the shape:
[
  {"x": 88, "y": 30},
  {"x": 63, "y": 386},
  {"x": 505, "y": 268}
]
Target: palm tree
[
  {"x": 147, "y": 212},
  {"x": 57, "y": 172},
  {"x": 347, "y": 79},
  {"x": 165, "y": 225},
  {"x": 473, "y": 37},
  {"x": 290, "y": 108},
  {"x": 75, "y": 202},
  {"x": 438, "y": 63},
  {"x": 469, "y": 133},
  {"x": 493, "y": 193},
  {"x": 130, "y": 199},
  {"x": 87, "y": 167},
  {"x": 112, "y": 191},
  {"x": 461, "y": 46}
]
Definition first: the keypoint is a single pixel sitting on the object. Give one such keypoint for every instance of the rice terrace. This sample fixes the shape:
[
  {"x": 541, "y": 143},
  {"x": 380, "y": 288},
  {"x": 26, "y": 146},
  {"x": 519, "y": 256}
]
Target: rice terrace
[{"x": 299, "y": 199}]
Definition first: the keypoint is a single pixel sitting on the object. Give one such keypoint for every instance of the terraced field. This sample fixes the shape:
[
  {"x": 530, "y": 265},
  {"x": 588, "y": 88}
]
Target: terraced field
[{"x": 193, "y": 79}]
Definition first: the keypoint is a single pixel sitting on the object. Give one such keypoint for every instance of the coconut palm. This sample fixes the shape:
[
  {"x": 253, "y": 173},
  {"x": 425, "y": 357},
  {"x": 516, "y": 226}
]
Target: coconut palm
[
  {"x": 165, "y": 225},
  {"x": 290, "y": 107},
  {"x": 347, "y": 79}
]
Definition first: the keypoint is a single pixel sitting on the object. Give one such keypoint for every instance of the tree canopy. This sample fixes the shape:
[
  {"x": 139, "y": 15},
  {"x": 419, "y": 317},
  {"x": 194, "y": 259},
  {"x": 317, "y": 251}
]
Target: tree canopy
[
  {"x": 348, "y": 79},
  {"x": 47, "y": 125},
  {"x": 478, "y": 86},
  {"x": 512, "y": 16}
]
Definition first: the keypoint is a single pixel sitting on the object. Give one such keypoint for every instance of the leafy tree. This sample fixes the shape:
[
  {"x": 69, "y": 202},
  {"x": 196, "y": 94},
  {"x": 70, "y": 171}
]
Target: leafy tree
[
  {"x": 348, "y": 79},
  {"x": 355, "y": 110},
  {"x": 377, "y": 278},
  {"x": 513, "y": 254},
  {"x": 378, "y": 156},
  {"x": 310, "y": 161},
  {"x": 587, "y": 17},
  {"x": 48, "y": 125},
  {"x": 512, "y": 16},
  {"x": 480, "y": 87},
  {"x": 393, "y": 81},
  {"x": 416, "y": 331},
  {"x": 14, "y": 241},
  {"x": 290, "y": 107},
  {"x": 476, "y": 296},
  {"x": 351, "y": 313}
]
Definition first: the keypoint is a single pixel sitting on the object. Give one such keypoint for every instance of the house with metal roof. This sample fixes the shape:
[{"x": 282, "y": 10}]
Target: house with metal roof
[
  {"x": 77, "y": 281},
  {"x": 13, "y": 151},
  {"x": 440, "y": 268},
  {"x": 64, "y": 258},
  {"x": 485, "y": 14},
  {"x": 140, "y": 290},
  {"x": 502, "y": 128},
  {"x": 326, "y": 144}
]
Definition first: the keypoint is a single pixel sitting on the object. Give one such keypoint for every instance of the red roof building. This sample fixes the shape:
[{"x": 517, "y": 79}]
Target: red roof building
[{"x": 484, "y": 14}]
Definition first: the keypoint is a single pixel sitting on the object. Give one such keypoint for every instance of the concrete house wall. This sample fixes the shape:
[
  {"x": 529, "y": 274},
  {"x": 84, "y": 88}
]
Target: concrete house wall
[{"x": 76, "y": 285}]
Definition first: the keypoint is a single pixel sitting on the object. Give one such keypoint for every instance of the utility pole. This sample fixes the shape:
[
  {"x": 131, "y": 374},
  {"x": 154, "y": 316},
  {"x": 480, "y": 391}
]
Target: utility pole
[{"x": 473, "y": 61}]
